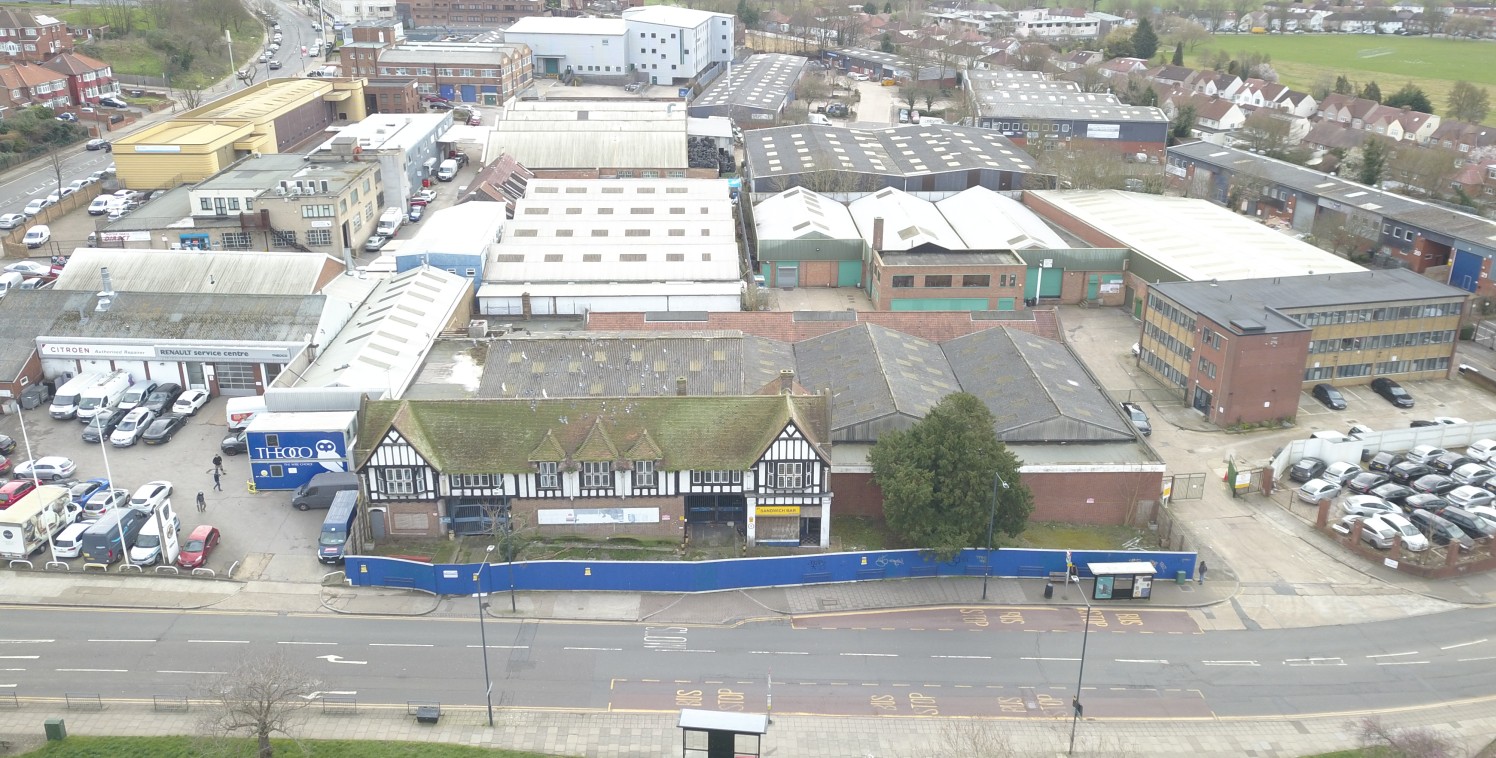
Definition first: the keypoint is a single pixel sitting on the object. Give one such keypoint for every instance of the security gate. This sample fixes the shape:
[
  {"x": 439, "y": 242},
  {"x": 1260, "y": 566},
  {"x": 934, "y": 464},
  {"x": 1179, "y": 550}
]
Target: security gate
[{"x": 1185, "y": 486}]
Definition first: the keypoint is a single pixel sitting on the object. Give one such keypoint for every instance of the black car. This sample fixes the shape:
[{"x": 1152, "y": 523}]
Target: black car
[
  {"x": 1434, "y": 484},
  {"x": 1424, "y": 502},
  {"x": 1417, "y": 423},
  {"x": 1382, "y": 461},
  {"x": 161, "y": 430},
  {"x": 7, "y": 445},
  {"x": 1366, "y": 481},
  {"x": 1441, "y": 531},
  {"x": 1330, "y": 396},
  {"x": 1407, "y": 471},
  {"x": 101, "y": 426},
  {"x": 1472, "y": 524},
  {"x": 1392, "y": 391},
  {"x": 1450, "y": 461},
  {"x": 234, "y": 444},
  {"x": 1306, "y": 469},
  {"x": 1393, "y": 493},
  {"x": 160, "y": 401}
]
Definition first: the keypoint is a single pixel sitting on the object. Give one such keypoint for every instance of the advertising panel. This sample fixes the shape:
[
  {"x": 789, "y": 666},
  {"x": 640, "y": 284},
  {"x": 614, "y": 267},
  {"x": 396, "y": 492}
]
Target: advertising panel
[
  {"x": 286, "y": 460},
  {"x": 556, "y": 516}
]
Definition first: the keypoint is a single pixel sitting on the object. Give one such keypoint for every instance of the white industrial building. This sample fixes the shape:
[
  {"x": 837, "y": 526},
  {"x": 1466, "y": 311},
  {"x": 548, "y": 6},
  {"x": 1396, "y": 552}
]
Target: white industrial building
[
  {"x": 623, "y": 138},
  {"x": 405, "y": 144},
  {"x": 580, "y": 245},
  {"x": 973, "y": 219},
  {"x": 659, "y": 43}
]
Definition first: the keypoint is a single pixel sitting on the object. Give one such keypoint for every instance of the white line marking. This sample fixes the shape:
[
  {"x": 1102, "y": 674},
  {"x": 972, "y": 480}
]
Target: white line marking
[
  {"x": 25, "y": 642},
  {"x": 1048, "y": 659},
  {"x": 399, "y": 644},
  {"x": 98, "y": 671},
  {"x": 966, "y": 657},
  {"x": 604, "y": 649},
  {"x": 306, "y": 643},
  {"x": 1314, "y": 662},
  {"x": 503, "y": 647},
  {"x": 776, "y": 652},
  {"x": 339, "y": 659},
  {"x": 12, "y": 669},
  {"x": 871, "y": 655},
  {"x": 210, "y": 673},
  {"x": 1393, "y": 655},
  {"x": 226, "y": 642},
  {"x": 1473, "y": 660},
  {"x": 1400, "y": 663},
  {"x": 1139, "y": 660},
  {"x": 1230, "y": 663},
  {"x": 122, "y": 640},
  {"x": 8, "y": 686},
  {"x": 18, "y": 657},
  {"x": 1462, "y": 644}
]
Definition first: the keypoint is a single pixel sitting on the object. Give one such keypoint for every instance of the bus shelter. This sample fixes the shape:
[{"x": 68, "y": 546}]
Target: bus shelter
[
  {"x": 720, "y": 734},
  {"x": 1132, "y": 580}
]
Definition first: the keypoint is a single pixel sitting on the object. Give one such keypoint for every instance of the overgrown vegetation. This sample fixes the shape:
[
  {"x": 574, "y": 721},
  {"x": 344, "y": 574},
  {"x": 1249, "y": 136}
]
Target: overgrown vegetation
[
  {"x": 195, "y": 747},
  {"x": 31, "y": 132},
  {"x": 180, "y": 39}
]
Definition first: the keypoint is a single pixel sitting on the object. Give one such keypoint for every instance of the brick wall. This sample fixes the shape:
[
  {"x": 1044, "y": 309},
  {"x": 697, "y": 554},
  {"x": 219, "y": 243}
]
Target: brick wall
[{"x": 855, "y": 495}]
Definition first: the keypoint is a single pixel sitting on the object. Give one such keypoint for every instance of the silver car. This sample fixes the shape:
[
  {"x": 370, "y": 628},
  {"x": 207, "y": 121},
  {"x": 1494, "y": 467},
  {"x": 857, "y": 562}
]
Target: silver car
[
  {"x": 1378, "y": 533},
  {"x": 1316, "y": 490},
  {"x": 1367, "y": 505}
]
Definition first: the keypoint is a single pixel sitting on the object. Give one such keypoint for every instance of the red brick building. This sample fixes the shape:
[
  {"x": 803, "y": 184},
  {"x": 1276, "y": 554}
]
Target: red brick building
[
  {"x": 32, "y": 38},
  {"x": 26, "y": 84},
  {"x": 88, "y": 79}
]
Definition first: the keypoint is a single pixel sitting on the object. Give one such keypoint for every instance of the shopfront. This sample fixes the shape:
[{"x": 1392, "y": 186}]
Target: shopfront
[{"x": 218, "y": 367}]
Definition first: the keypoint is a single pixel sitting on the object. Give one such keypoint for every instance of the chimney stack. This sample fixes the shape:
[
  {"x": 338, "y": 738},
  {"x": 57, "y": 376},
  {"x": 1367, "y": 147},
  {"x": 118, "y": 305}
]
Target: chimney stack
[
  {"x": 680, "y": 386},
  {"x": 878, "y": 233},
  {"x": 786, "y": 381}
]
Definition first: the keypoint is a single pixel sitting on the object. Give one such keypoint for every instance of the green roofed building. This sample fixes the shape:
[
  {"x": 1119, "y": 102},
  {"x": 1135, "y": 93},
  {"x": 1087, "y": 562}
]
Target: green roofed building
[{"x": 637, "y": 466}]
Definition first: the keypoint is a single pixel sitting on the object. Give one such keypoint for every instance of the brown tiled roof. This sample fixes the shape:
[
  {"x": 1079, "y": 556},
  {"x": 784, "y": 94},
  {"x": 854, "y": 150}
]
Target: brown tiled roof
[
  {"x": 787, "y": 326},
  {"x": 73, "y": 63},
  {"x": 28, "y": 75}
]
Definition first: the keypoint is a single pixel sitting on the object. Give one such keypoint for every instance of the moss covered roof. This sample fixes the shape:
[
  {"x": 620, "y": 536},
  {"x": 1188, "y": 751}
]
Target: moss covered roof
[{"x": 505, "y": 436}]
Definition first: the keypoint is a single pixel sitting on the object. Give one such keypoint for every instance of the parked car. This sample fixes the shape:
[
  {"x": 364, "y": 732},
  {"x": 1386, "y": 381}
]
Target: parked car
[
  {"x": 12, "y": 220},
  {"x": 1367, "y": 505},
  {"x": 14, "y": 490},
  {"x": 80, "y": 493},
  {"x": 113, "y": 102},
  {"x": 1407, "y": 471},
  {"x": 29, "y": 268},
  {"x": 475, "y": 119},
  {"x": 1420, "y": 423},
  {"x": 129, "y": 430},
  {"x": 1481, "y": 450},
  {"x": 163, "y": 429},
  {"x": 1329, "y": 396},
  {"x": 198, "y": 547},
  {"x": 48, "y": 468},
  {"x": 1392, "y": 392},
  {"x": 37, "y": 236},
  {"x": 161, "y": 400},
  {"x": 1377, "y": 533},
  {"x": 1340, "y": 472},
  {"x": 1306, "y": 469},
  {"x": 1471, "y": 524},
  {"x": 1316, "y": 490},
  {"x": 375, "y": 243},
  {"x": 190, "y": 402},
  {"x": 69, "y": 542},
  {"x": 96, "y": 144},
  {"x": 1393, "y": 492},
  {"x": 234, "y": 444},
  {"x": 7, "y": 445},
  {"x": 1367, "y": 481},
  {"x": 1450, "y": 461},
  {"x": 416, "y": 212},
  {"x": 1440, "y": 531},
  {"x": 102, "y": 425},
  {"x": 1449, "y": 420},
  {"x": 1472, "y": 473},
  {"x": 423, "y": 196},
  {"x": 1413, "y": 540},
  {"x": 1139, "y": 419},
  {"x": 1466, "y": 496},
  {"x": 1436, "y": 484},
  {"x": 151, "y": 494},
  {"x": 104, "y": 501},
  {"x": 1424, "y": 453},
  {"x": 35, "y": 206},
  {"x": 1424, "y": 501},
  {"x": 440, "y": 105},
  {"x": 1382, "y": 461}
]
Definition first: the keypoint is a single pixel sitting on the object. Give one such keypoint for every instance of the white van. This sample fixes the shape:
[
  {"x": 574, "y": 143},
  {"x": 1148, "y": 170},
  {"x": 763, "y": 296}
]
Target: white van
[
  {"x": 104, "y": 204},
  {"x": 139, "y": 391},
  {"x": 390, "y": 221},
  {"x": 818, "y": 119},
  {"x": 447, "y": 171},
  {"x": 37, "y": 236},
  {"x": 239, "y": 411},
  {"x": 65, "y": 402},
  {"x": 104, "y": 395},
  {"x": 10, "y": 280}
]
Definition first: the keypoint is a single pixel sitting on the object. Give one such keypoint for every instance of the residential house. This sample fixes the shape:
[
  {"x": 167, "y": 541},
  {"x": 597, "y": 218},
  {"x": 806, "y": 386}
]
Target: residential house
[
  {"x": 1477, "y": 179},
  {"x": 1326, "y": 136},
  {"x": 641, "y": 466},
  {"x": 1172, "y": 76},
  {"x": 1216, "y": 84},
  {"x": 1300, "y": 104},
  {"x": 1401, "y": 124},
  {"x": 1078, "y": 59},
  {"x": 1463, "y": 137},
  {"x": 1121, "y": 68},
  {"x": 88, "y": 79},
  {"x": 1346, "y": 109},
  {"x": 1215, "y": 117},
  {"x": 32, "y": 38},
  {"x": 26, "y": 84},
  {"x": 1255, "y": 93}
]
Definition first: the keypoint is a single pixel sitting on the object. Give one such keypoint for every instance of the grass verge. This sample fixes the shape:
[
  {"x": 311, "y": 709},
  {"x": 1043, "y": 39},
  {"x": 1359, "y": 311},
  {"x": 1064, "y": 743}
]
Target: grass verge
[{"x": 188, "y": 747}]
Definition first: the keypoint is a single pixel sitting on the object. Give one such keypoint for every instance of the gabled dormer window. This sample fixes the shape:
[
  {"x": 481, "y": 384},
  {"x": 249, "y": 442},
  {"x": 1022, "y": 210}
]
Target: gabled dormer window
[
  {"x": 597, "y": 475},
  {"x": 548, "y": 476},
  {"x": 645, "y": 475}
]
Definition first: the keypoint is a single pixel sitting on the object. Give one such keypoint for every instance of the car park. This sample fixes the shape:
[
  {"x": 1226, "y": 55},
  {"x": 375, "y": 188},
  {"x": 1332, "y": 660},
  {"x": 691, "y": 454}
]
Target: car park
[
  {"x": 1472, "y": 524},
  {"x": 1413, "y": 540},
  {"x": 1487, "y": 512},
  {"x": 104, "y": 501},
  {"x": 1424, "y": 453},
  {"x": 199, "y": 545},
  {"x": 1316, "y": 490},
  {"x": 1436, "y": 484},
  {"x": 1367, "y": 505},
  {"x": 163, "y": 429},
  {"x": 1340, "y": 472},
  {"x": 1139, "y": 419},
  {"x": 69, "y": 543},
  {"x": 47, "y": 468},
  {"x": 1306, "y": 469},
  {"x": 102, "y": 425},
  {"x": 1440, "y": 531},
  {"x": 190, "y": 402},
  {"x": 12, "y": 220},
  {"x": 1382, "y": 461},
  {"x": 1407, "y": 471},
  {"x": 1393, "y": 493},
  {"x": 151, "y": 495},
  {"x": 1377, "y": 533},
  {"x": 129, "y": 430},
  {"x": 1366, "y": 480},
  {"x": 1450, "y": 461},
  {"x": 1392, "y": 392},
  {"x": 1466, "y": 496},
  {"x": 1328, "y": 396},
  {"x": 13, "y": 490},
  {"x": 1472, "y": 473},
  {"x": 165, "y": 394},
  {"x": 80, "y": 493}
]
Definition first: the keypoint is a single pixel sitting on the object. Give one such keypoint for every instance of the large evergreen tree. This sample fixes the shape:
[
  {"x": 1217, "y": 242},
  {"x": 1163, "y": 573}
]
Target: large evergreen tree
[
  {"x": 1372, "y": 92},
  {"x": 1373, "y": 162},
  {"x": 1411, "y": 97},
  {"x": 938, "y": 479},
  {"x": 1144, "y": 40},
  {"x": 1178, "y": 54}
]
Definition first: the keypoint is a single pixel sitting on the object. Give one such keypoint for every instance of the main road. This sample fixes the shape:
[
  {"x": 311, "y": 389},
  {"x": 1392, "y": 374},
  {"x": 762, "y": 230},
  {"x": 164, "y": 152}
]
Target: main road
[{"x": 990, "y": 662}]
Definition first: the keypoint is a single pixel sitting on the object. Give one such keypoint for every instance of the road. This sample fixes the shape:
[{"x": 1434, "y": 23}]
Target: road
[{"x": 1016, "y": 662}]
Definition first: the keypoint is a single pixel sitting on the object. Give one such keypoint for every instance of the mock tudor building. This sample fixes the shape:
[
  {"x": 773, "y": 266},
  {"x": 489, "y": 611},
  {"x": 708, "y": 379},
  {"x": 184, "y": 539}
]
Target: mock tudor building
[{"x": 642, "y": 466}]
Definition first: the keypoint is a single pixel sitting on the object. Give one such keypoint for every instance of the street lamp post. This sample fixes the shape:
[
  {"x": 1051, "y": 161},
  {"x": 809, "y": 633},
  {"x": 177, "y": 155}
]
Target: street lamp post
[
  {"x": 483, "y": 634},
  {"x": 997, "y": 480},
  {"x": 1085, "y": 637}
]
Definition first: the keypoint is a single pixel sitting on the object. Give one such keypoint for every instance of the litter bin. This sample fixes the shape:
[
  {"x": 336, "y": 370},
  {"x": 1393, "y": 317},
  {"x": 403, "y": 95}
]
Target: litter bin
[
  {"x": 1048, "y": 590},
  {"x": 1181, "y": 578},
  {"x": 57, "y": 731}
]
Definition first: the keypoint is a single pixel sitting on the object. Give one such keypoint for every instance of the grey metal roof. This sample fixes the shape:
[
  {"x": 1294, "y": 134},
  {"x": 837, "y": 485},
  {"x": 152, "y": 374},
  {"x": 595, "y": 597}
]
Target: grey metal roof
[
  {"x": 998, "y": 97},
  {"x": 220, "y": 272},
  {"x": 907, "y": 150},
  {"x": 875, "y": 372},
  {"x": 629, "y": 364},
  {"x": 947, "y": 258},
  {"x": 1037, "y": 389},
  {"x": 762, "y": 81},
  {"x": 1261, "y": 301},
  {"x": 1389, "y": 205}
]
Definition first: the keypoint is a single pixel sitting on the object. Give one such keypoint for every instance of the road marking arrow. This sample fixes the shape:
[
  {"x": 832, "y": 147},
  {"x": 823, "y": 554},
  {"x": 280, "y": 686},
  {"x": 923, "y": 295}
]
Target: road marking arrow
[
  {"x": 339, "y": 659},
  {"x": 318, "y": 694}
]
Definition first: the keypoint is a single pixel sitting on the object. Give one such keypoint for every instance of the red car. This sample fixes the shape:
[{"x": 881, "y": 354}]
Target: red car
[
  {"x": 195, "y": 550},
  {"x": 14, "y": 490},
  {"x": 5, "y": 466}
]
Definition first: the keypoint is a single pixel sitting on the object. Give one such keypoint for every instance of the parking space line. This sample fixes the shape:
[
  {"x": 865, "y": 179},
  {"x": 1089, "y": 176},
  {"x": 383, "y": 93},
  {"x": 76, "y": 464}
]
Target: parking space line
[{"x": 1463, "y": 644}]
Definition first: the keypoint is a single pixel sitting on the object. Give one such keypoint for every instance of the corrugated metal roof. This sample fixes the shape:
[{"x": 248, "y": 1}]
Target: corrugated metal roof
[
  {"x": 1169, "y": 230},
  {"x": 592, "y": 146},
  {"x": 622, "y": 260},
  {"x": 163, "y": 316},
  {"x": 762, "y": 81},
  {"x": 655, "y": 189},
  {"x": 799, "y": 213},
  {"x": 907, "y": 221},
  {"x": 672, "y": 15},
  {"x": 467, "y": 229},
  {"x": 987, "y": 220},
  {"x": 219, "y": 272},
  {"x": 889, "y": 151}
]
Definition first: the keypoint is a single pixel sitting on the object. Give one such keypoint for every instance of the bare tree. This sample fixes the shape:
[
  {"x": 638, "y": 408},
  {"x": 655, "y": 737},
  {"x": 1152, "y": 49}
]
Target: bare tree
[
  {"x": 1403, "y": 743},
  {"x": 261, "y": 696},
  {"x": 1266, "y": 131}
]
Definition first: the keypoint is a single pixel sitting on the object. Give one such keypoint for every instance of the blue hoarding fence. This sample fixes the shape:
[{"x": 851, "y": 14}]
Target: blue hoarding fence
[{"x": 736, "y": 573}]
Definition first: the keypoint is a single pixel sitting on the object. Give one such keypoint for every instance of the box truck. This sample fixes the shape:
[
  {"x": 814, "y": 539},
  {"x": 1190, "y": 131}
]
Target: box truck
[{"x": 27, "y": 526}]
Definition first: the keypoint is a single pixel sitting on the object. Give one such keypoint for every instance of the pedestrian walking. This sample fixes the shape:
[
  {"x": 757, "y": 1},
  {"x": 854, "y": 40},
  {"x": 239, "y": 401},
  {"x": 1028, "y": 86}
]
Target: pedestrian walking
[
  {"x": 217, "y": 481},
  {"x": 1200, "y": 575},
  {"x": 218, "y": 463},
  {"x": 202, "y": 502}
]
